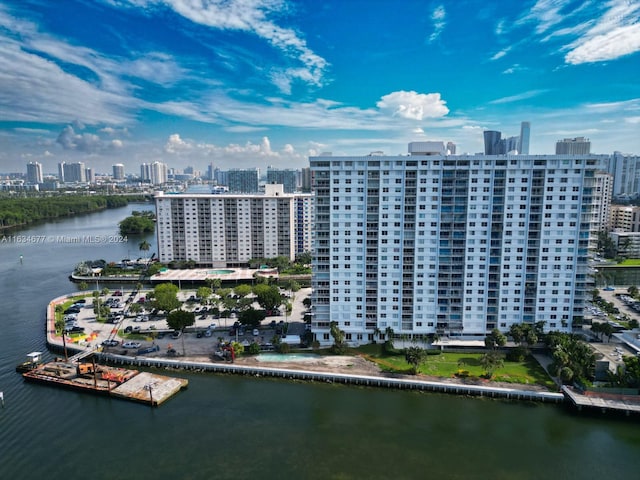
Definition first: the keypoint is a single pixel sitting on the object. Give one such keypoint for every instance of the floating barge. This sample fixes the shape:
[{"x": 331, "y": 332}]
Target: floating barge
[{"x": 143, "y": 387}]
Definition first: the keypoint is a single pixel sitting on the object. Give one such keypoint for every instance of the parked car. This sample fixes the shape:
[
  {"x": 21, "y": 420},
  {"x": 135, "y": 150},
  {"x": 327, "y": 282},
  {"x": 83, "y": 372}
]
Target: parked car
[
  {"x": 256, "y": 332},
  {"x": 117, "y": 293},
  {"x": 208, "y": 333},
  {"x": 73, "y": 329},
  {"x": 131, "y": 344},
  {"x": 110, "y": 343},
  {"x": 212, "y": 326},
  {"x": 176, "y": 334}
]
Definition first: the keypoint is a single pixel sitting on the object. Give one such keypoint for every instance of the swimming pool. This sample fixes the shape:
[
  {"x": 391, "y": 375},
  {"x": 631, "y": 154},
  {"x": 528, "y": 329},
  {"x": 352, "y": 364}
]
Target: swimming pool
[
  {"x": 287, "y": 357},
  {"x": 220, "y": 272}
]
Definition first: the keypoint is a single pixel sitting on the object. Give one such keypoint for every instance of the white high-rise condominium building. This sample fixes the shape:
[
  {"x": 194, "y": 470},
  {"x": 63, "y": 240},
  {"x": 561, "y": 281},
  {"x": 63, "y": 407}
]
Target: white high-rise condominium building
[
  {"x": 602, "y": 194},
  {"x": 34, "y": 173},
  {"x": 573, "y": 146},
  {"x": 227, "y": 230},
  {"x": 118, "y": 171},
  {"x": 156, "y": 173},
  {"x": 625, "y": 169},
  {"x": 457, "y": 245}
]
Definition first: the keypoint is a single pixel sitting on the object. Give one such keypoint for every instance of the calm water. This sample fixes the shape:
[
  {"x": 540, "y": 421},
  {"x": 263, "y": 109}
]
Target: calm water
[{"x": 237, "y": 428}]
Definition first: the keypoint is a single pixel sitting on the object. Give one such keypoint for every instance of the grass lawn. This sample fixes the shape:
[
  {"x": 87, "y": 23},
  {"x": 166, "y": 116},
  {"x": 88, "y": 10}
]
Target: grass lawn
[
  {"x": 630, "y": 262},
  {"x": 449, "y": 364}
]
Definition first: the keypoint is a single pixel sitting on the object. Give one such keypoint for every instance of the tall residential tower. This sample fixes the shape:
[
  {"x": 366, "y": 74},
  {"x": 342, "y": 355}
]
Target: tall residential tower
[{"x": 453, "y": 245}]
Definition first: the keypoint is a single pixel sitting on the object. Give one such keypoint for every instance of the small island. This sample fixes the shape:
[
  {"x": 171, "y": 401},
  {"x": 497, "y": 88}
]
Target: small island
[{"x": 138, "y": 223}]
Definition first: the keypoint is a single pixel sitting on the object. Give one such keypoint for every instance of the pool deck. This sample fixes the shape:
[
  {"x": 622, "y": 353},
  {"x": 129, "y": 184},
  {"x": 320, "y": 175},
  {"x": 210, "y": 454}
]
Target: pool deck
[{"x": 203, "y": 274}]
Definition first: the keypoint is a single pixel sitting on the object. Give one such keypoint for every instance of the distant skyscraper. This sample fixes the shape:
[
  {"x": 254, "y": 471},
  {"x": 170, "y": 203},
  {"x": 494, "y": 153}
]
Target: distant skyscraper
[
  {"x": 73, "y": 172},
  {"x": 305, "y": 179},
  {"x": 155, "y": 173},
  {"x": 492, "y": 143},
  {"x": 573, "y": 146},
  {"x": 89, "y": 175},
  {"x": 525, "y": 132},
  {"x": 510, "y": 145},
  {"x": 61, "y": 172},
  {"x": 221, "y": 177},
  {"x": 287, "y": 178},
  {"x": 625, "y": 170},
  {"x": 451, "y": 148},
  {"x": 243, "y": 180},
  {"x": 34, "y": 173},
  {"x": 118, "y": 171}
]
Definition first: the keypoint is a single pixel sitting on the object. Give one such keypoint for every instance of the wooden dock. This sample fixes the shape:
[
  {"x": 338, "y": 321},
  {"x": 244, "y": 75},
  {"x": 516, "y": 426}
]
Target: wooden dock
[
  {"x": 143, "y": 387},
  {"x": 620, "y": 403}
]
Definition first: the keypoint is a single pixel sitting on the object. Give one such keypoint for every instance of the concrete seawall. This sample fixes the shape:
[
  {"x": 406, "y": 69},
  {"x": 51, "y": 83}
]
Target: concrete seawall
[{"x": 55, "y": 344}]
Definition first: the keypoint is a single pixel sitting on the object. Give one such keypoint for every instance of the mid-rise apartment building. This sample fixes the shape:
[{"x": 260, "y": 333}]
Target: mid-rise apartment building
[
  {"x": 227, "y": 230},
  {"x": 573, "y": 146},
  {"x": 287, "y": 177},
  {"x": 625, "y": 218},
  {"x": 453, "y": 245},
  {"x": 34, "y": 173},
  {"x": 243, "y": 180}
]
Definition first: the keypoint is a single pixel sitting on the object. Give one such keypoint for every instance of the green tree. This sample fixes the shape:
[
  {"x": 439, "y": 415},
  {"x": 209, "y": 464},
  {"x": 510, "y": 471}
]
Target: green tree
[
  {"x": 136, "y": 225},
  {"x": 144, "y": 246},
  {"x": 251, "y": 317},
  {"x": 339, "y": 346},
  {"x": 304, "y": 258},
  {"x": 203, "y": 293},
  {"x": 491, "y": 361},
  {"x": 135, "y": 308},
  {"x": 238, "y": 348},
  {"x": 415, "y": 356},
  {"x": 179, "y": 320},
  {"x": 214, "y": 283},
  {"x": 254, "y": 348},
  {"x": 166, "y": 297},
  {"x": 59, "y": 326},
  {"x": 633, "y": 291},
  {"x": 495, "y": 339},
  {"x": 388, "y": 344},
  {"x": 267, "y": 296},
  {"x": 83, "y": 286},
  {"x": 242, "y": 290}
]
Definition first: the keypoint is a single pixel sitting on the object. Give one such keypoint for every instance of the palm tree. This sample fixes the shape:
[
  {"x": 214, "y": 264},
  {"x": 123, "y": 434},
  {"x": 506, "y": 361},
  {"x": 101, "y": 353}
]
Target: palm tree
[
  {"x": 144, "y": 246},
  {"x": 59, "y": 325}
]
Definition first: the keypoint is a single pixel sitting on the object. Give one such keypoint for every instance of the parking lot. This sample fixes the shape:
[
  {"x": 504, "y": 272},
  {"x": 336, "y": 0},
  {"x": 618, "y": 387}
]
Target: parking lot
[{"x": 147, "y": 331}]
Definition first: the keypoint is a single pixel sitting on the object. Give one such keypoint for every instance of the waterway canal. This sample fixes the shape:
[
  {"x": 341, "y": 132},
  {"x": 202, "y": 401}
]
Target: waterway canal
[{"x": 238, "y": 427}]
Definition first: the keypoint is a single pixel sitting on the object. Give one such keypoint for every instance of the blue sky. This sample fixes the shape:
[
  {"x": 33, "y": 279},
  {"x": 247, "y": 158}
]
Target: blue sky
[{"x": 245, "y": 83}]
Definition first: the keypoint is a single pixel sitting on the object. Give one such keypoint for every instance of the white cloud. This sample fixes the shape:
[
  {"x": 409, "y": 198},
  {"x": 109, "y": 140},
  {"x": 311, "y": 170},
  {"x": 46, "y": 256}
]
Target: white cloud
[
  {"x": 614, "y": 44},
  {"x": 413, "y": 105},
  {"x": 85, "y": 142},
  {"x": 517, "y": 98},
  {"x": 546, "y": 13},
  {"x": 501, "y": 53},
  {"x": 175, "y": 144},
  {"x": 438, "y": 16},
  {"x": 612, "y": 32},
  {"x": 253, "y": 16}
]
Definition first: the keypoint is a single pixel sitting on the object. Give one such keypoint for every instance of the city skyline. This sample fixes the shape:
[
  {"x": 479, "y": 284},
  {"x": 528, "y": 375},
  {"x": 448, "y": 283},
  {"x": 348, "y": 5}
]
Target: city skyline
[{"x": 270, "y": 82}]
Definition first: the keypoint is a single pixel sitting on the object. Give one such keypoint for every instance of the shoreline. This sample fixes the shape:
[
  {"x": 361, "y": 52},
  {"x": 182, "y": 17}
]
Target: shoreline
[{"x": 354, "y": 370}]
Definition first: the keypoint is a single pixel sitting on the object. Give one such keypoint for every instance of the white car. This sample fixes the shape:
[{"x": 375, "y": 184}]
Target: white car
[{"x": 131, "y": 344}]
